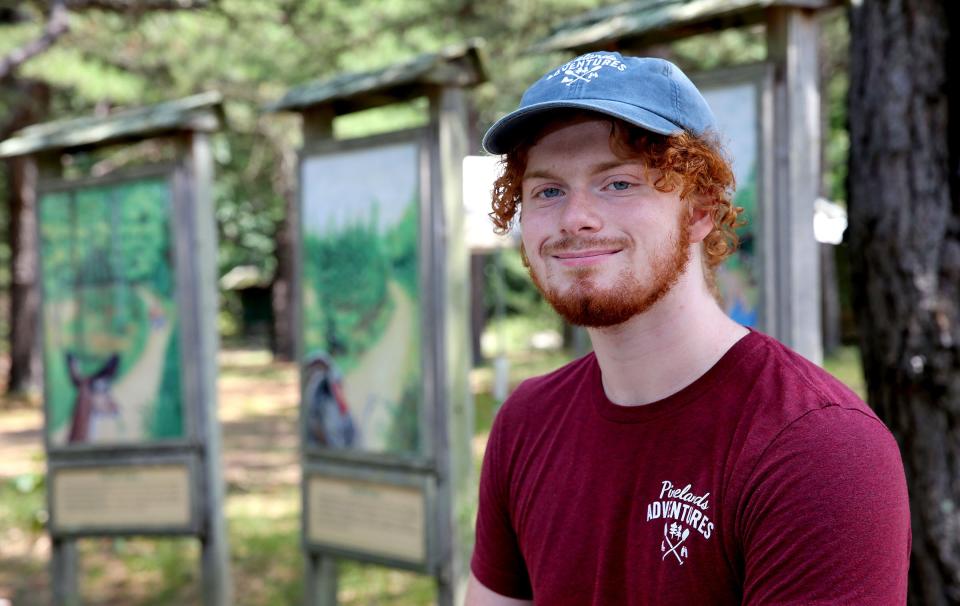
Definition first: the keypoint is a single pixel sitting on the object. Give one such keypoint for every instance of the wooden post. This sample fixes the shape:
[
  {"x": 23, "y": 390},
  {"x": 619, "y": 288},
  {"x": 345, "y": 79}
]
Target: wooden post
[
  {"x": 64, "y": 564},
  {"x": 63, "y": 571},
  {"x": 453, "y": 417},
  {"x": 792, "y": 48},
  {"x": 217, "y": 587},
  {"x": 321, "y": 570},
  {"x": 321, "y": 580}
]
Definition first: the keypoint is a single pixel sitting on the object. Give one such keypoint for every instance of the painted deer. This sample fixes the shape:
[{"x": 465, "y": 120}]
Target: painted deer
[
  {"x": 94, "y": 402},
  {"x": 131, "y": 397}
]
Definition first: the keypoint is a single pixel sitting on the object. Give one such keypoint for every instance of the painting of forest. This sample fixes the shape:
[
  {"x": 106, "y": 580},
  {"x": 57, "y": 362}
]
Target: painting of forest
[
  {"x": 740, "y": 278},
  {"x": 361, "y": 292},
  {"x": 110, "y": 344}
]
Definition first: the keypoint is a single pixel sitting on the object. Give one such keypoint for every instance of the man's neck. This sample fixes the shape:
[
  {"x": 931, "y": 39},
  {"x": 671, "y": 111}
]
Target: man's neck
[{"x": 668, "y": 347}]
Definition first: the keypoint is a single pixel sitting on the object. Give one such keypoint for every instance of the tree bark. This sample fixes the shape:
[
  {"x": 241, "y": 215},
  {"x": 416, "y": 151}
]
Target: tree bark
[
  {"x": 25, "y": 364},
  {"x": 904, "y": 190},
  {"x": 58, "y": 24},
  {"x": 281, "y": 292},
  {"x": 24, "y": 290}
]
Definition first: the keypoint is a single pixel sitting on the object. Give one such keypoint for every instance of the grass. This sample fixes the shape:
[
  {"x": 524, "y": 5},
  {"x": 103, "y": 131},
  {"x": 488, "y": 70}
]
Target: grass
[
  {"x": 844, "y": 364},
  {"x": 258, "y": 400}
]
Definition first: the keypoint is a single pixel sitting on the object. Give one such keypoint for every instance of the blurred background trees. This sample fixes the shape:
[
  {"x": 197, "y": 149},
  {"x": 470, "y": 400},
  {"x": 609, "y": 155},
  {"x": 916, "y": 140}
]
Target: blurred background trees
[{"x": 74, "y": 57}]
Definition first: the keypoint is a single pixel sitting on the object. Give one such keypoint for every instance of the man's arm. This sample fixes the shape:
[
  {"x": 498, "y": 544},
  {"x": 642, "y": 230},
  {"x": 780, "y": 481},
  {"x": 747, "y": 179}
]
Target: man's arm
[
  {"x": 827, "y": 518},
  {"x": 479, "y": 595}
]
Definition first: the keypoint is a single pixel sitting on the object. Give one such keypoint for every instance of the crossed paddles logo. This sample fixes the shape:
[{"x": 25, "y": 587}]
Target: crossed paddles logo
[
  {"x": 583, "y": 74},
  {"x": 683, "y": 511},
  {"x": 680, "y": 535}
]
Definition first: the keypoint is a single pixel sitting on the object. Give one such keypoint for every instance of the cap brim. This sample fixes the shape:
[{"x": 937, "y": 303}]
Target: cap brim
[{"x": 506, "y": 132}]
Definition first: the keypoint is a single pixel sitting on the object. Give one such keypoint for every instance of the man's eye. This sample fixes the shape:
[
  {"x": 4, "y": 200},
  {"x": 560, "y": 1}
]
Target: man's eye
[
  {"x": 549, "y": 192},
  {"x": 619, "y": 185}
]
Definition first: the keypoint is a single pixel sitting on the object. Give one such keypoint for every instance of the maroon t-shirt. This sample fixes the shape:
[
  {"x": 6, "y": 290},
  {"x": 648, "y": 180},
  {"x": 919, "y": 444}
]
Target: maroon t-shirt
[{"x": 766, "y": 481}]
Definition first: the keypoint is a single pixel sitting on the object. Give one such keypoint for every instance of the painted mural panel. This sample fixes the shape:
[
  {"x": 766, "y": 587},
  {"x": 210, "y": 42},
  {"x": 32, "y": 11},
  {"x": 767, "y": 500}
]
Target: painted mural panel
[
  {"x": 361, "y": 301},
  {"x": 111, "y": 352},
  {"x": 735, "y": 107}
]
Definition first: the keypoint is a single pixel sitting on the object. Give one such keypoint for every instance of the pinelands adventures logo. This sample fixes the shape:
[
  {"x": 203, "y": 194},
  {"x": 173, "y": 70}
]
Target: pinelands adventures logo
[
  {"x": 587, "y": 68},
  {"x": 683, "y": 511}
]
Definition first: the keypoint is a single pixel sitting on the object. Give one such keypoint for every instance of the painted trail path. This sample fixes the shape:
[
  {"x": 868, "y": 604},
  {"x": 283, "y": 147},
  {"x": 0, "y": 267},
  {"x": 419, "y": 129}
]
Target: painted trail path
[{"x": 373, "y": 389}]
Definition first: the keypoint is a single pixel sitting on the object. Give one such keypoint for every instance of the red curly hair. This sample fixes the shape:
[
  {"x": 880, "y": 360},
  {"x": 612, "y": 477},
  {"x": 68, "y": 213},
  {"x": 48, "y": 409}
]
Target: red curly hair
[{"x": 694, "y": 164}]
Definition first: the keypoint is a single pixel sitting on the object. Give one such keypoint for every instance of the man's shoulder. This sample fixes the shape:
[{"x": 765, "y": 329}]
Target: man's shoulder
[
  {"x": 797, "y": 384},
  {"x": 788, "y": 394}
]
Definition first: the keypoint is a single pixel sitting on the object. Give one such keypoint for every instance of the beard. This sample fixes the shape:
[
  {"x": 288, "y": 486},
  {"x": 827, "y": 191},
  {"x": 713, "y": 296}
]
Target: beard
[{"x": 585, "y": 304}]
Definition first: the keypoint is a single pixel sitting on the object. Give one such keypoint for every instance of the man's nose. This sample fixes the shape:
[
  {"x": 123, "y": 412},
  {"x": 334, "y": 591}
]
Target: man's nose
[{"x": 580, "y": 213}]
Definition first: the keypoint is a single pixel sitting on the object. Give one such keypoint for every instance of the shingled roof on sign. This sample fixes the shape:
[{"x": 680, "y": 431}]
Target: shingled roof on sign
[
  {"x": 653, "y": 21},
  {"x": 202, "y": 112},
  {"x": 458, "y": 65}
]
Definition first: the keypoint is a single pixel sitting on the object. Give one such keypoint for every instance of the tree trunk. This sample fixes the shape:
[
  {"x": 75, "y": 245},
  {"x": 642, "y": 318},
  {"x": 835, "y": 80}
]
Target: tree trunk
[
  {"x": 281, "y": 294},
  {"x": 25, "y": 363},
  {"x": 24, "y": 289},
  {"x": 904, "y": 187},
  {"x": 829, "y": 299}
]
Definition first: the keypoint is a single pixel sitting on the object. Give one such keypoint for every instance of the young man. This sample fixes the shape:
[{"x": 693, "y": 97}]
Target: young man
[{"x": 688, "y": 459}]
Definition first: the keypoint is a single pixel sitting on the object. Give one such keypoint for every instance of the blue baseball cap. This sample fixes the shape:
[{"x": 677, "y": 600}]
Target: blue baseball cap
[{"x": 647, "y": 92}]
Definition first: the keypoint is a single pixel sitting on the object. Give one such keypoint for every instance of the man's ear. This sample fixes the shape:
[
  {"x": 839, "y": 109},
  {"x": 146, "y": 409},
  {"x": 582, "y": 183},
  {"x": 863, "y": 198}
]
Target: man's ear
[{"x": 701, "y": 222}]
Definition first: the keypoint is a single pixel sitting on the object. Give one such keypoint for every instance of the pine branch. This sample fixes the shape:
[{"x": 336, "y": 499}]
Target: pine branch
[
  {"x": 136, "y": 6},
  {"x": 57, "y": 25}
]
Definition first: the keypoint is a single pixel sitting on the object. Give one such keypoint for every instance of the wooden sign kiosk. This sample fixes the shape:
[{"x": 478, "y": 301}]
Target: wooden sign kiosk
[
  {"x": 128, "y": 331},
  {"x": 777, "y": 102},
  {"x": 383, "y": 308}
]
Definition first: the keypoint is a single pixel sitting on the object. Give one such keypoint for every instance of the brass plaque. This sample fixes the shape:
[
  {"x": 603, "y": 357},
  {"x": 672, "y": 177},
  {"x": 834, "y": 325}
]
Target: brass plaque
[
  {"x": 370, "y": 517},
  {"x": 122, "y": 496}
]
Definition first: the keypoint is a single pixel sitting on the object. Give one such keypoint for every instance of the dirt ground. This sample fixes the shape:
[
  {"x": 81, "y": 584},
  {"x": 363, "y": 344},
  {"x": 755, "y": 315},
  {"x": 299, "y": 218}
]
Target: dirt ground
[{"x": 258, "y": 413}]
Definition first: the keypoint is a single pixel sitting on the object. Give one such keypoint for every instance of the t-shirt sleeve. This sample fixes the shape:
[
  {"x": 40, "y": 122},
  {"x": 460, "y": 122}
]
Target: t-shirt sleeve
[
  {"x": 497, "y": 560},
  {"x": 826, "y": 518}
]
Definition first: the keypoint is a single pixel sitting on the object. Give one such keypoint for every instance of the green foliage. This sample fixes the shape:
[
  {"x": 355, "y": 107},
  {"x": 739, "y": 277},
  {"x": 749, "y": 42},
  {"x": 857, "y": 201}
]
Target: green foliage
[
  {"x": 715, "y": 50},
  {"x": 844, "y": 364},
  {"x": 23, "y": 503},
  {"x": 106, "y": 234},
  {"x": 746, "y": 195},
  {"x": 345, "y": 318},
  {"x": 401, "y": 247},
  {"x": 168, "y": 421},
  {"x": 509, "y": 279},
  {"x": 403, "y": 434},
  {"x": 834, "y": 75}
]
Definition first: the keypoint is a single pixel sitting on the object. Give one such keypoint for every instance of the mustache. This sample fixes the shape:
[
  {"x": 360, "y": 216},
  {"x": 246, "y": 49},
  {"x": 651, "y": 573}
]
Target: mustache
[{"x": 573, "y": 244}]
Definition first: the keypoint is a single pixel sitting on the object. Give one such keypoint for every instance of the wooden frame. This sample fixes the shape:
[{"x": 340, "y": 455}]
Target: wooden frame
[
  {"x": 193, "y": 243},
  {"x": 792, "y": 46},
  {"x": 190, "y": 463},
  {"x": 442, "y": 467},
  {"x": 189, "y": 359},
  {"x": 182, "y": 125},
  {"x": 427, "y": 289},
  {"x": 440, "y": 470},
  {"x": 390, "y": 468},
  {"x": 760, "y": 77},
  {"x": 423, "y": 481}
]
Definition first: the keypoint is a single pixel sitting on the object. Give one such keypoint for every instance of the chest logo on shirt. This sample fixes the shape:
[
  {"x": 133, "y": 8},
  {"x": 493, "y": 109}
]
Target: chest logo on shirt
[{"x": 683, "y": 512}]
